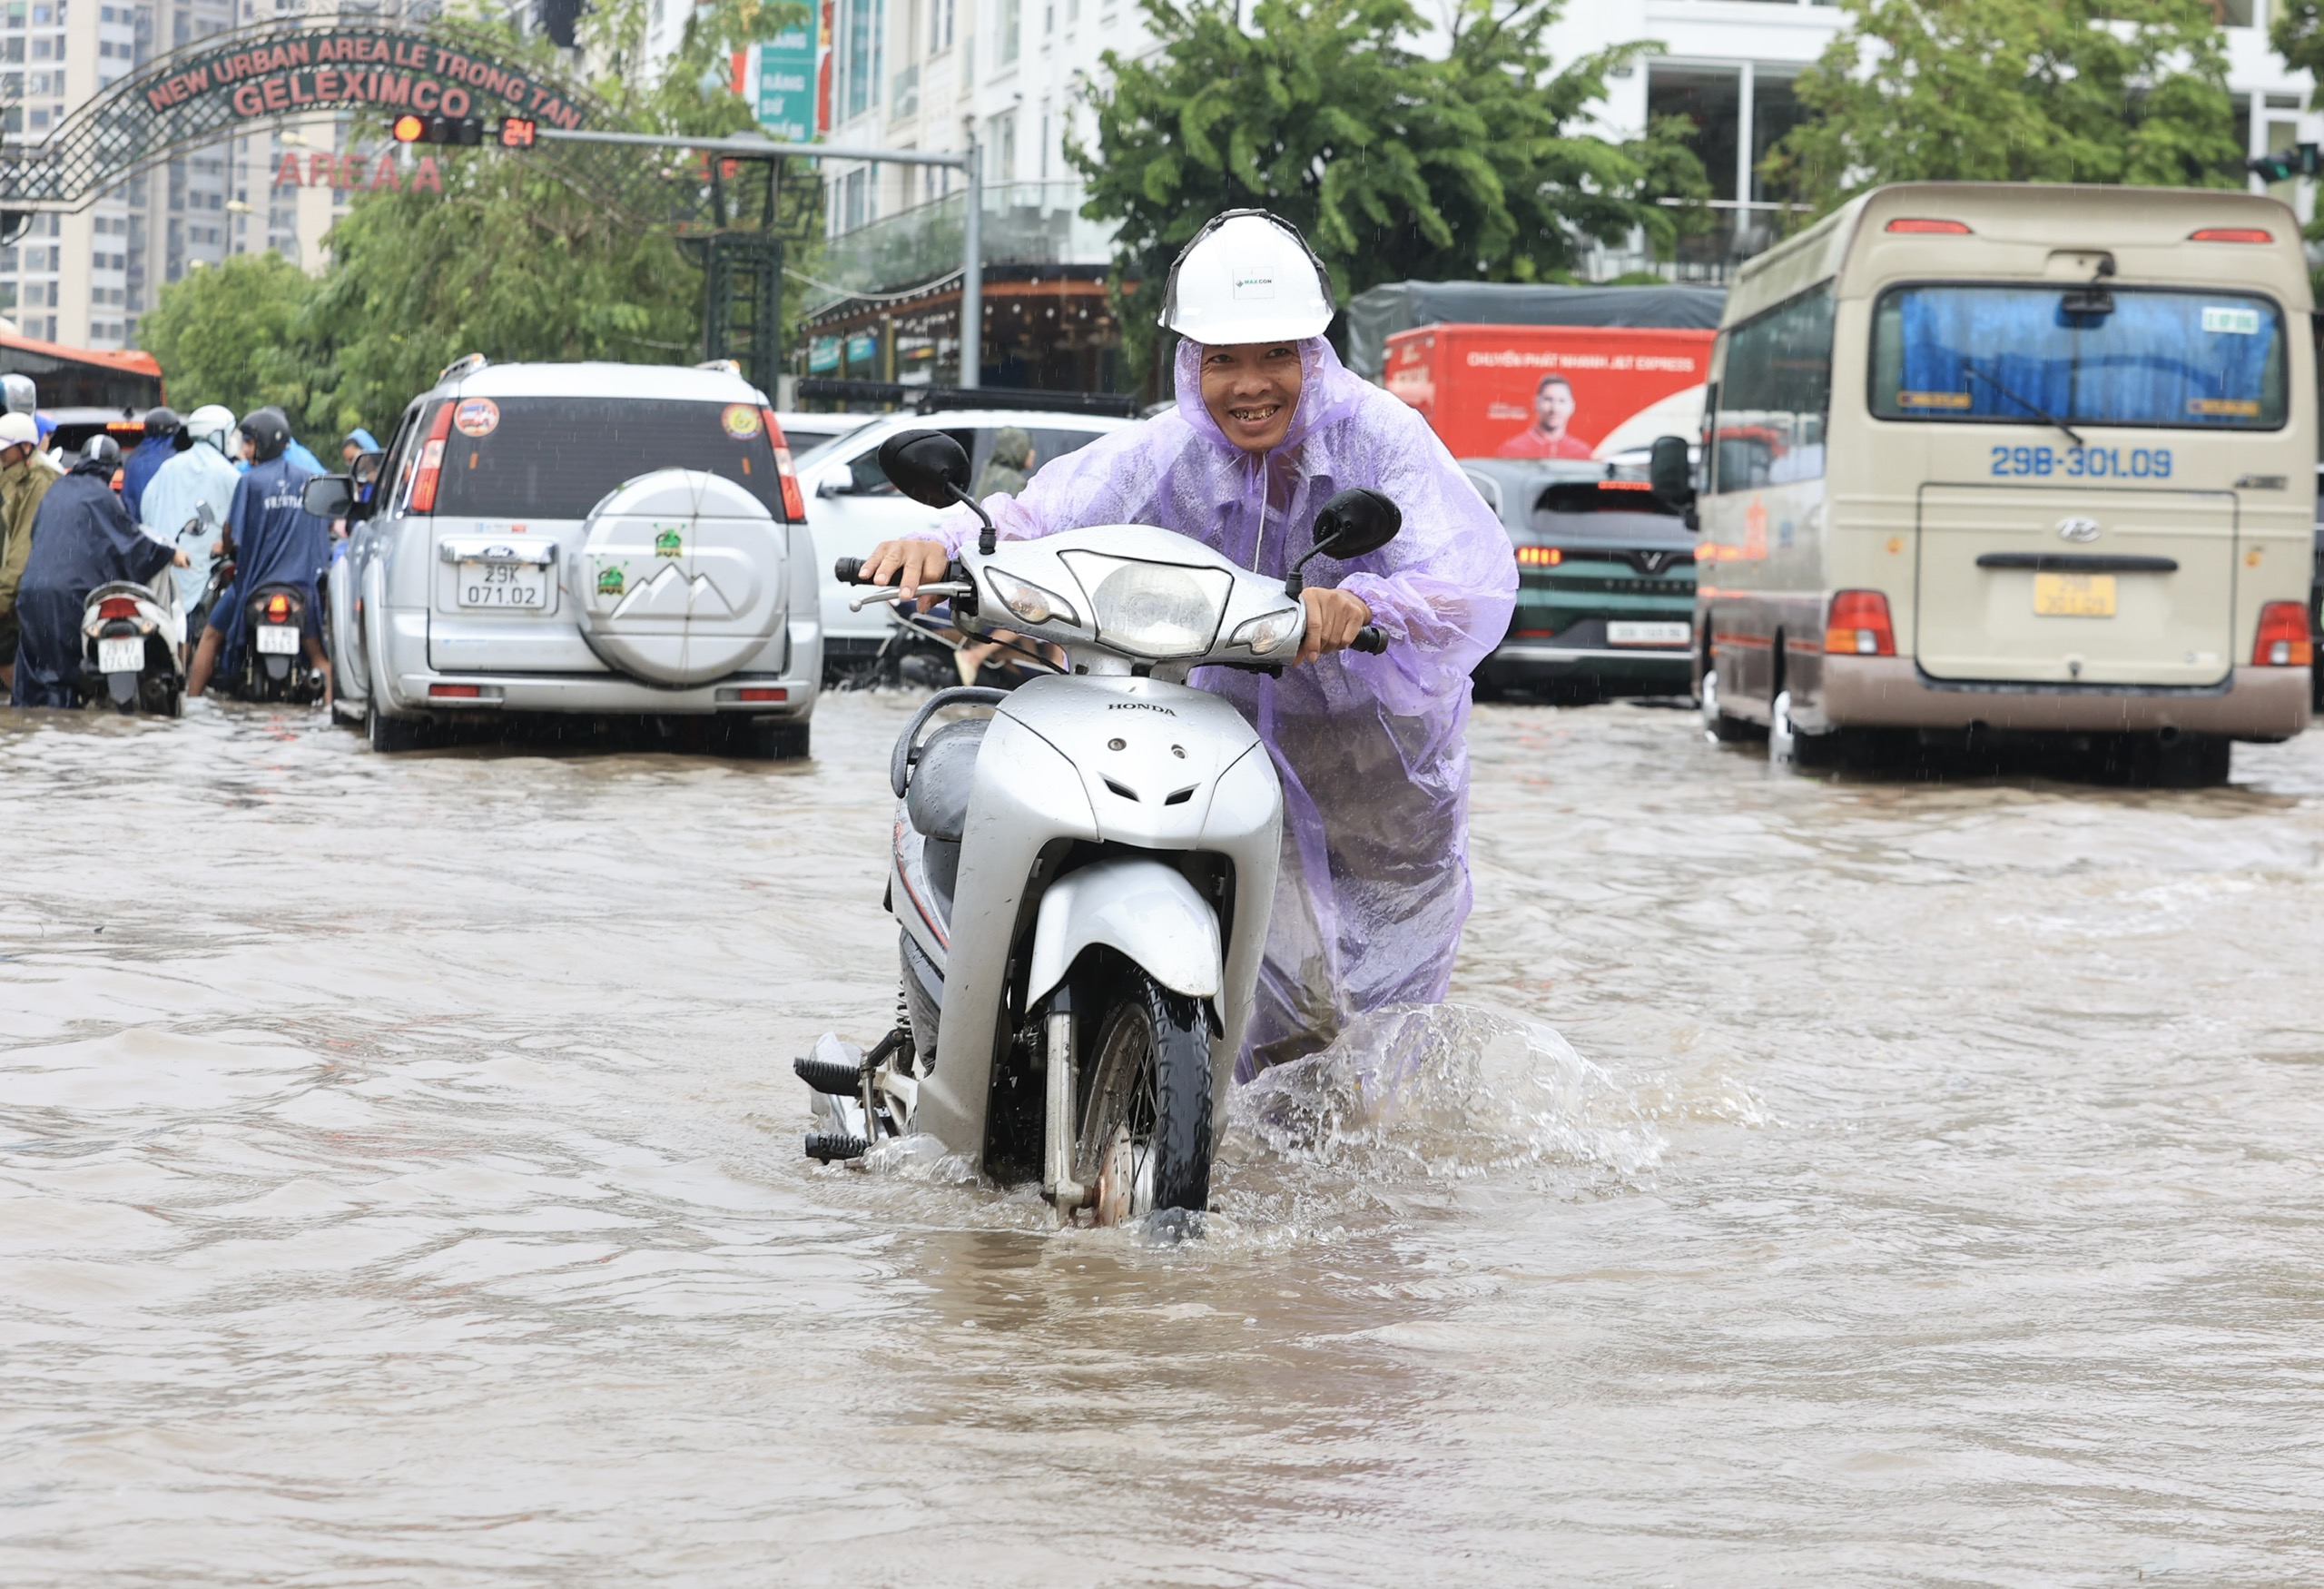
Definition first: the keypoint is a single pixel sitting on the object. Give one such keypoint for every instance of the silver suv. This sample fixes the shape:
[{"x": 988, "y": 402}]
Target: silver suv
[{"x": 600, "y": 538}]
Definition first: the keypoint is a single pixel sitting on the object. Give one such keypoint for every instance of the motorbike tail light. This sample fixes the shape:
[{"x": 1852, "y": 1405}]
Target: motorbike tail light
[
  {"x": 794, "y": 501},
  {"x": 2283, "y": 640},
  {"x": 1860, "y": 625},
  {"x": 278, "y": 609},
  {"x": 117, "y": 606},
  {"x": 431, "y": 460}
]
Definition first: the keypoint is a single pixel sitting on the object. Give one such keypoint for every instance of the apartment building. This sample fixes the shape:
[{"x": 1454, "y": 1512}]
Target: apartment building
[{"x": 929, "y": 74}]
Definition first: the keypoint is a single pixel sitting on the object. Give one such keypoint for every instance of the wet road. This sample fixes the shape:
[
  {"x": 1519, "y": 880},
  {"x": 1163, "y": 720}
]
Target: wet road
[{"x": 399, "y": 1184}]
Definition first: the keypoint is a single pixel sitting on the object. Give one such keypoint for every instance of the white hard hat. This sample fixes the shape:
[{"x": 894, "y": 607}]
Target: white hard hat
[
  {"x": 18, "y": 429},
  {"x": 1247, "y": 277},
  {"x": 210, "y": 419}
]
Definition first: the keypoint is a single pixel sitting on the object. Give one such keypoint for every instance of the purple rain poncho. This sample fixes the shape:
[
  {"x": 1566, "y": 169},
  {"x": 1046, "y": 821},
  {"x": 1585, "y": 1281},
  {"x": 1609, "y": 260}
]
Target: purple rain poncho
[{"x": 1371, "y": 750}]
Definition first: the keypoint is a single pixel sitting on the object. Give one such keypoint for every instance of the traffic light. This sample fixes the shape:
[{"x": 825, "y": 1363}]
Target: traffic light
[
  {"x": 2284, "y": 165},
  {"x": 414, "y": 129},
  {"x": 518, "y": 132}
]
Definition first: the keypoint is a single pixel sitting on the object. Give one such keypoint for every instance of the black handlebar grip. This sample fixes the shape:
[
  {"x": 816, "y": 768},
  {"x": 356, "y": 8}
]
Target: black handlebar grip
[
  {"x": 1370, "y": 639},
  {"x": 847, "y": 569}
]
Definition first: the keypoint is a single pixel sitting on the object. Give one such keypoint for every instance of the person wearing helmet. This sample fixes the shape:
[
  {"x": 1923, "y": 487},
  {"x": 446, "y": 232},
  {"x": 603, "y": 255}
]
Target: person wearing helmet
[
  {"x": 276, "y": 542},
  {"x": 159, "y": 444},
  {"x": 24, "y": 479},
  {"x": 1268, "y": 425},
  {"x": 196, "y": 476},
  {"x": 83, "y": 537}
]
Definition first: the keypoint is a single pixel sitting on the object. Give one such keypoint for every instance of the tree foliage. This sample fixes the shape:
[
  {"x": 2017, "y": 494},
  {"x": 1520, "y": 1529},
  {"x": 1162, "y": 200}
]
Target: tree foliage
[
  {"x": 1395, "y": 165},
  {"x": 2058, "y": 91},
  {"x": 511, "y": 260}
]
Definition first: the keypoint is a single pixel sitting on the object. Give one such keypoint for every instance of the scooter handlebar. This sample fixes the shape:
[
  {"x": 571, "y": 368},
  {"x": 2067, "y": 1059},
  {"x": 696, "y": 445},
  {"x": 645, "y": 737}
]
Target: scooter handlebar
[
  {"x": 1370, "y": 639},
  {"x": 848, "y": 571}
]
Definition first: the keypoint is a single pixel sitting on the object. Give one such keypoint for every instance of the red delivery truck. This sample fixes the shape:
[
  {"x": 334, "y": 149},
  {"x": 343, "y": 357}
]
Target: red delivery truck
[{"x": 1551, "y": 391}]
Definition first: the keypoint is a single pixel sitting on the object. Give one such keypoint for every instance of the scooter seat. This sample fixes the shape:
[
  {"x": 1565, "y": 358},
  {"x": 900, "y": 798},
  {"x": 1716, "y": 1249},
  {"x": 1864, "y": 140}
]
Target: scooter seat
[{"x": 937, "y": 801}]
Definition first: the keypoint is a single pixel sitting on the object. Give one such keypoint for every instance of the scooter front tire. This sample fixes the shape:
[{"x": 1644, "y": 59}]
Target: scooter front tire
[{"x": 1145, "y": 1138}]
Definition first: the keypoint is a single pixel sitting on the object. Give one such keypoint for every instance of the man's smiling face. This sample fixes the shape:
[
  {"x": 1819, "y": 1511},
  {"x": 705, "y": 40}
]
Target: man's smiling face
[{"x": 1252, "y": 390}]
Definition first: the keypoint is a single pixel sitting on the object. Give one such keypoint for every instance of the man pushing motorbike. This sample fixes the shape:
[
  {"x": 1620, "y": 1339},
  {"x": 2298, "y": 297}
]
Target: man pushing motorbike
[
  {"x": 82, "y": 537},
  {"x": 1370, "y": 750},
  {"x": 276, "y": 541}
]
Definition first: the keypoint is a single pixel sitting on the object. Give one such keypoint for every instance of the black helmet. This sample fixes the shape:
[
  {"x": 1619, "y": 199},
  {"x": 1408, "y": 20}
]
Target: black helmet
[
  {"x": 161, "y": 421},
  {"x": 101, "y": 449},
  {"x": 269, "y": 432}
]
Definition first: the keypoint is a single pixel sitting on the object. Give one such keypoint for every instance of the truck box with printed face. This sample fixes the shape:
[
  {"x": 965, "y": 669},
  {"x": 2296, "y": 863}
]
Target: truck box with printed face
[{"x": 1551, "y": 391}]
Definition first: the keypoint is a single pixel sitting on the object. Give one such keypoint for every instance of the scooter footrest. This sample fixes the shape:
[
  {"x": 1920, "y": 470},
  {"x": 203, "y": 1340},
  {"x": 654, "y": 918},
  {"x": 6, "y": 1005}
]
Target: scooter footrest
[
  {"x": 834, "y": 1079},
  {"x": 827, "y": 1146}
]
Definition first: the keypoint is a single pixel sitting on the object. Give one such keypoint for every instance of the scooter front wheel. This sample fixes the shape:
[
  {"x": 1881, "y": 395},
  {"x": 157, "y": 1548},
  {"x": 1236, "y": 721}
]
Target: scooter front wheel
[{"x": 1145, "y": 1138}]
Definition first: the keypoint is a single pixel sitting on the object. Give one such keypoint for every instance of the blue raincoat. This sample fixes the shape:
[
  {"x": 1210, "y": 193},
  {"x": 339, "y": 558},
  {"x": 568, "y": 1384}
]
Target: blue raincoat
[
  {"x": 82, "y": 537},
  {"x": 200, "y": 474},
  {"x": 138, "y": 469},
  {"x": 276, "y": 542}
]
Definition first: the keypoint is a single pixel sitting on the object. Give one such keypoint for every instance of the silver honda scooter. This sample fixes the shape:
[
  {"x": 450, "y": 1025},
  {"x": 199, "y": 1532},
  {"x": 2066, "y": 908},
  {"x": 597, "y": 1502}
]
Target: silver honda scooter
[{"x": 1083, "y": 877}]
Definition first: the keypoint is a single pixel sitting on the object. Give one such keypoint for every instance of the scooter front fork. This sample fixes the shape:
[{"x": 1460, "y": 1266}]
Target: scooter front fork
[{"x": 1057, "y": 1184}]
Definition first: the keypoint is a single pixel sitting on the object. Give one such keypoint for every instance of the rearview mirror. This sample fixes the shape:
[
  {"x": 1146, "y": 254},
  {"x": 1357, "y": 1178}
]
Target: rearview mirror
[
  {"x": 1669, "y": 472},
  {"x": 1357, "y": 521},
  {"x": 327, "y": 496},
  {"x": 926, "y": 466},
  {"x": 366, "y": 468}
]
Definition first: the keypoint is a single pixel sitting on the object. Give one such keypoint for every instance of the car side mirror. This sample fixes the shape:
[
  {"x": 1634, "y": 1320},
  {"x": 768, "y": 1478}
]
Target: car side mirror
[
  {"x": 366, "y": 468},
  {"x": 329, "y": 496},
  {"x": 1357, "y": 521},
  {"x": 1669, "y": 473},
  {"x": 830, "y": 486}
]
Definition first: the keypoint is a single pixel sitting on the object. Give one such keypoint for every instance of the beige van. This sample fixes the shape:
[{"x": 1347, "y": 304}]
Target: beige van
[{"x": 2011, "y": 458}]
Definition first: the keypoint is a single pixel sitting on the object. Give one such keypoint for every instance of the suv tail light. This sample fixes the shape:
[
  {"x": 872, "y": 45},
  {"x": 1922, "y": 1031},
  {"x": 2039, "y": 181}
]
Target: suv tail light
[
  {"x": 794, "y": 501},
  {"x": 431, "y": 459},
  {"x": 1860, "y": 625},
  {"x": 2284, "y": 639},
  {"x": 117, "y": 606}
]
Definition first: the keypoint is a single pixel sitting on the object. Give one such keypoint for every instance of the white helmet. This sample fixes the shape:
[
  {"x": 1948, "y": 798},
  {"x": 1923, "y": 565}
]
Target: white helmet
[
  {"x": 1247, "y": 277},
  {"x": 211, "y": 422},
  {"x": 18, "y": 430}
]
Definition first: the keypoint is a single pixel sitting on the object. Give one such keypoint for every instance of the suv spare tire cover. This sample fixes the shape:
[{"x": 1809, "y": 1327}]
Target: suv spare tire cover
[{"x": 679, "y": 578}]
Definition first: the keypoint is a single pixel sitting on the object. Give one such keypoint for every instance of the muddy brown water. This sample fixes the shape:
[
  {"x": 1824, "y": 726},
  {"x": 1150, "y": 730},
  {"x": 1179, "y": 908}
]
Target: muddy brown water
[{"x": 1816, "y": 1181}]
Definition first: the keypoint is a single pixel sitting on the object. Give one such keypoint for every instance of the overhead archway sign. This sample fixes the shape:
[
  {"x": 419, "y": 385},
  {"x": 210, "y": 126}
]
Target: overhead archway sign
[{"x": 276, "y": 71}]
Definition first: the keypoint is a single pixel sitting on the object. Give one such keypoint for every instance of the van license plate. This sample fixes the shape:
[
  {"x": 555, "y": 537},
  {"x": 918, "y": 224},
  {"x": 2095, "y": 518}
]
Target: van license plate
[
  {"x": 1640, "y": 634},
  {"x": 278, "y": 639},
  {"x": 122, "y": 656},
  {"x": 523, "y": 586},
  {"x": 2074, "y": 596}
]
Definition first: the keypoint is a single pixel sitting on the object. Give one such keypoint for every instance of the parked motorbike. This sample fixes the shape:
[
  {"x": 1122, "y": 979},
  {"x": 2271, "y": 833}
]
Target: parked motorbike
[
  {"x": 132, "y": 641},
  {"x": 274, "y": 655},
  {"x": 1083, "y": 877}
]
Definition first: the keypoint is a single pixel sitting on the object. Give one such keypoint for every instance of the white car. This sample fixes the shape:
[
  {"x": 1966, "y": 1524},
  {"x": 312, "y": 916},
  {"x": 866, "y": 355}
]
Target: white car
[
  {"x": 611, "y": 540},
  {"x": 851, "y": 507}
]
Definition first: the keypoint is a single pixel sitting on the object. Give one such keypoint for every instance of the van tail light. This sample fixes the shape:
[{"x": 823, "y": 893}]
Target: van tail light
[
  {"x": 1923, "y": 224},
  {"x": 117, "y": 606},
  {"x": 2231, "y": 234},
  {"x": 794, "y": 501},
  {"x": 431, "y": 460},
  {"x": 1860, "y": 625},
  {"x": 278, "y": 609},
  {"x": 2284, "y": 639}
]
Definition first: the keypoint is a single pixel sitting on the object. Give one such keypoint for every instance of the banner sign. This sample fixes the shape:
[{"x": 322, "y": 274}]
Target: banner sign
[
  {"x": 360, "y": 67},
  {"x": 780, "y": 83},
  {"x": 356, "y": 172}
]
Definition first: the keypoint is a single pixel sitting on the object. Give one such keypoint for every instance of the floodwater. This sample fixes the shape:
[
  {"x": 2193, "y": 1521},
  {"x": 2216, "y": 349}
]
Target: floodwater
[{"x": 400, "y": 1183}]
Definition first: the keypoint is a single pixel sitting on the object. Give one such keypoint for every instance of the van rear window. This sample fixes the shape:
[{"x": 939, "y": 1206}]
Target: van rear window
[
  {"x": 557, "y": 457},
  {"x": 2093, "y": 355}
]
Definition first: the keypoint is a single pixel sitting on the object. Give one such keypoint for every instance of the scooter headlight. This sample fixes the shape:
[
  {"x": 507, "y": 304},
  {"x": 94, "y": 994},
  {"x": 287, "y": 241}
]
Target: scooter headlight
[
  {"x": 1154, "y": 609},
  {"x": 1029, "y": 602},
  {"x": 1264, "y": 633}
]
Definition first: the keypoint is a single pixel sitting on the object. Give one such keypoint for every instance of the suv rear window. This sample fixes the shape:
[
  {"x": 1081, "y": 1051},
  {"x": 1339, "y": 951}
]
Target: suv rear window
[
  {"x": 1611, "y": 508},
  {"x": 557, "y": 457}
]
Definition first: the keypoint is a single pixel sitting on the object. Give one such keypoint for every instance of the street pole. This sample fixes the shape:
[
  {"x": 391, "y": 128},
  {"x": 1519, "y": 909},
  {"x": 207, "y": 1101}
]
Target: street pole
[
  {"x": 965, "y": 163},
  {"x": 972, "y": 277}
]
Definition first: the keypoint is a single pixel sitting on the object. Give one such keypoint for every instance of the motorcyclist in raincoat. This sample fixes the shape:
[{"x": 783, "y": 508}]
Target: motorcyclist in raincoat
[
  {"x": 145, "y": 460},
  {"x": 1268, "y": 425},
  {"x": 24, "y": 479},
  {"x": 276, "y": 542},
  {"x": 198, "y": 473},
  {"x": 83, "y": 537}
]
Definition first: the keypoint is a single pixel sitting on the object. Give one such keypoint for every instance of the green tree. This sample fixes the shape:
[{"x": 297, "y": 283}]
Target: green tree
[
  {"x": 2057, "y": 91},
  {"x": 227, "y": 334},
  {"x": 2297, "y": 30},
  {"x": 1393, "y": 163}
]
